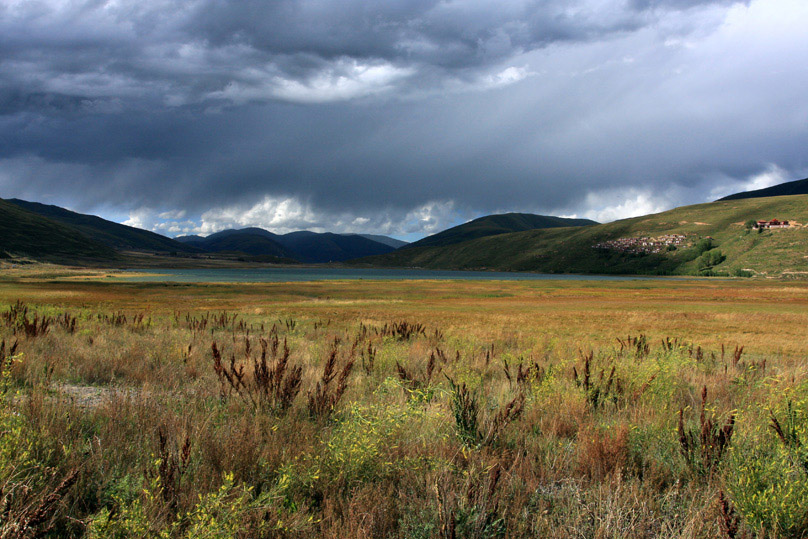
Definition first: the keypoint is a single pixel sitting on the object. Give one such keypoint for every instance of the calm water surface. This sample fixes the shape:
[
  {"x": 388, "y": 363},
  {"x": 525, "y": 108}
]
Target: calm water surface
[{"x": 262, "y": 275}]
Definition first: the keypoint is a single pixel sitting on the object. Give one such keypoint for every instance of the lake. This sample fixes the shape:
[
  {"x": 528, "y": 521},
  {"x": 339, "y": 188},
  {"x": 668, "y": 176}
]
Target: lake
[{"x": 270, "y": 275}]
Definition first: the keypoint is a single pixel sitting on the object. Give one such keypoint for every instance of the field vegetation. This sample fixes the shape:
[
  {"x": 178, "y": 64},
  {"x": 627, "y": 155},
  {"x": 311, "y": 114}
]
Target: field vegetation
[{"x": 418, "y": 409}]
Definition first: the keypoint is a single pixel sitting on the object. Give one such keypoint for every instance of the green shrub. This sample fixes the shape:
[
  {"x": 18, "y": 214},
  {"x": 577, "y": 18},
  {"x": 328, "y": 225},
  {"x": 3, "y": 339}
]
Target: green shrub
[
  {"x": 768, "y": 475},
  {"x": 704, "y": 245},
  {"x": 769, "y": 490},
  {"x": 230, "y": 511},
  {"x": 358, "y": 450}
]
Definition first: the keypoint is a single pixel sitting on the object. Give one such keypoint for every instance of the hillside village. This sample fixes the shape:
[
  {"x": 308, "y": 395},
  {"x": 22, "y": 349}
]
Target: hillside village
[
  {"x": 648, "y": 245},
  {"x": 672, "y": 242}
]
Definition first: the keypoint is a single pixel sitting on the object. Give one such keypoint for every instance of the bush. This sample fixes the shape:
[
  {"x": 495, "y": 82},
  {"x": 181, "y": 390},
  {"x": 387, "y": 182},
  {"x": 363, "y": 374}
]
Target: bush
[
  {"x": 710, "y": 259},
  {"x": 704, "y": 245},
  {"x": 231, "y": 511},
  {"x": 701, "y": 247}
]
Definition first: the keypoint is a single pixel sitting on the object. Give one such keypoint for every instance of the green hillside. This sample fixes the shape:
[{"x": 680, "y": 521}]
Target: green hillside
[
  {"x": 492, "y": 225},
  {"x": 573, "y": 250},
  {"x": 115, "y": 235},
  {"x": 24, "y": 233}
]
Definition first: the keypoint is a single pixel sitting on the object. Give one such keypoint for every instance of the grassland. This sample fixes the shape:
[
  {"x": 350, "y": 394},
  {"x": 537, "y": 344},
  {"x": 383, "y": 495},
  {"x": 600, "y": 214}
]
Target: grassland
[{"x": 404, "y": 409}]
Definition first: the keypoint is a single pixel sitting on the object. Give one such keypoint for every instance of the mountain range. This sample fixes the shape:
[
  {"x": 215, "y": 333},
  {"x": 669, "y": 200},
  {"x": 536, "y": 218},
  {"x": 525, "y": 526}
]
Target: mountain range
[
  {"x": 304, "y": 246},
  {"x": 53, "y": 233},
  {"x": 718, "y": 238},
  {"x": 56, "y": 234}
]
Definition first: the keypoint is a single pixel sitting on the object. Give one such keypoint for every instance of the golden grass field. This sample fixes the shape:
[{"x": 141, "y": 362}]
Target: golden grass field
[{"x": 498, "y": 409}]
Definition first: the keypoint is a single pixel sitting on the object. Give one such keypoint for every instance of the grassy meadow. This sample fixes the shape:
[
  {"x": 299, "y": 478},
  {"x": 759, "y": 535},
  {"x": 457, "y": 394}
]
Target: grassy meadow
[{"x": 408, "y": 409}]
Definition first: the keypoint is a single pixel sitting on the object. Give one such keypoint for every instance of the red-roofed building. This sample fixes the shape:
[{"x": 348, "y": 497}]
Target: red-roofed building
[{"x": 774, "y": 223}]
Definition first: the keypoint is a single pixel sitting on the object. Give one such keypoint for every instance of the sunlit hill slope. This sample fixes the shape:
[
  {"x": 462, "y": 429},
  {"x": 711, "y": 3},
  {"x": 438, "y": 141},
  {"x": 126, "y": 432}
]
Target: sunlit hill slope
[{"x": 715, "y": 240}]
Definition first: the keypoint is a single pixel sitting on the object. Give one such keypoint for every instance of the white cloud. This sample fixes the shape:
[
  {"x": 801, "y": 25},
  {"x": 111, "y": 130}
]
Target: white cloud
[
  {"x": 769, "y": 177},
  {"x": 282, "y": 215},
  {"x": 772, "y": 176},
  {"x": 167, "y": 223},
  {"x": 509, "y": 75},
  {"x": 279, "y": 215},
  {"x": 343, "y": 79},
  {"x": 140, "y": 218},
  {"x": 612, "y": 205},
  {"x": 429, "y": 218},
  {"x": 173, "y": 214}
]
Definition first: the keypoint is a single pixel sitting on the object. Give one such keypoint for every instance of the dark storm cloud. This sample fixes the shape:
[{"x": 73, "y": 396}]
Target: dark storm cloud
[
  {"x": 179, "y": 52},
  {"x": 676, "y": 4},
  {"x": 447, "y": 34},
  {"x": 370, "y": 113}
]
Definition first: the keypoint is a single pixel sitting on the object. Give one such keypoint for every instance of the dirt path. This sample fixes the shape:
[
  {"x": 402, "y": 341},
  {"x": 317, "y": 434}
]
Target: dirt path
[{"x": 92, "y": 396}]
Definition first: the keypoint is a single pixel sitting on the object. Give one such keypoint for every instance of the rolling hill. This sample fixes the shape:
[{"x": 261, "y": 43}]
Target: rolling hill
[
  {"x": 492, "y": 225},
  {"x": 797, "y": 187},
  {"x": 24, "y": 233},
  {"x": 575, "y": 250},
  {"x": 114, "y": 235}
]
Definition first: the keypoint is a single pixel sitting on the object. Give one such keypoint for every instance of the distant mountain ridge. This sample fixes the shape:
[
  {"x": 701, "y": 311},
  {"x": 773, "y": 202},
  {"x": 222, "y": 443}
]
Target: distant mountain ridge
[
  {"x": 51, "y": 232},
  {"x": 329, "y": 247},
  {"x": 492, "y": 225},
  {"x": 235, "y": 241},
  {"x": 797, "y": 187},
  {"x": 305, "y": 246}
]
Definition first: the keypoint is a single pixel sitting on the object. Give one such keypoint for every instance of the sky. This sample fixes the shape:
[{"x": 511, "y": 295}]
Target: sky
[{"x": 397, "y": 117}]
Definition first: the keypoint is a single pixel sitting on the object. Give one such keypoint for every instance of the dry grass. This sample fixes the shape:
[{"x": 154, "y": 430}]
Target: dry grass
[{"x": 481, "y": 409}]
